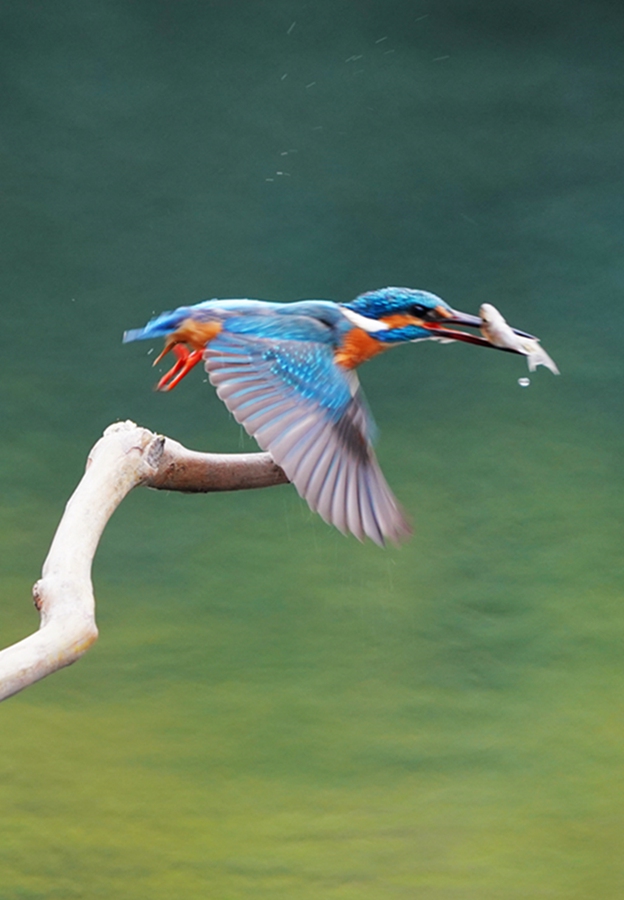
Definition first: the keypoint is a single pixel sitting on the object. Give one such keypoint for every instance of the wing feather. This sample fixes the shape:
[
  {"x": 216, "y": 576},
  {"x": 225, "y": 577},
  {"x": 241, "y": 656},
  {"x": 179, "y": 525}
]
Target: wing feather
[
  {"x": 367, "y": 512},
  {"x": 326, "y": 486},
  {"x": 339, "y": 496},
  {"x": 279, "y": 432},
  {"x": 310, "y": 459},
  {"x": 312, "y": 418},
  {"x": 355, "y": 521},
  {"x": 319, "y": 475},
  {"x": 302, "y": 449}
]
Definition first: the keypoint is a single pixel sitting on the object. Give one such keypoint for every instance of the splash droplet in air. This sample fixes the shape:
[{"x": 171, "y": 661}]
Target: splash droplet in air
[{"x": 524, "y": 382}]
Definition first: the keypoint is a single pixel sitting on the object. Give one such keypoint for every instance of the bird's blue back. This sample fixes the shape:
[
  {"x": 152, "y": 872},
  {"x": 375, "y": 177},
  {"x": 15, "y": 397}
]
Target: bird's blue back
[{"x": 290, "y": 321}]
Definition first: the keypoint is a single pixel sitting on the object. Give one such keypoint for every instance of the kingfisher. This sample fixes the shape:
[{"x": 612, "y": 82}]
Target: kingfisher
[{"x": 286, "y": 372}]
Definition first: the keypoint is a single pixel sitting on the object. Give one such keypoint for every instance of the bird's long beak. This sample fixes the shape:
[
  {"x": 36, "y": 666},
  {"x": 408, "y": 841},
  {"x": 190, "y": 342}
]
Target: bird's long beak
[
  {"x": 460, "y": 318},
  {"x": 441, "y": 330}
]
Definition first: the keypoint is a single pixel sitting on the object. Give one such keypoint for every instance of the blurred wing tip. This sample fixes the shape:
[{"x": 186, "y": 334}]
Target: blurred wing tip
[
  {"x": 133, "y": 334},
  {"x": 401, "y": 533},
  {"x": 395, "y": 536},
  {"x": 394, "y": 532}
]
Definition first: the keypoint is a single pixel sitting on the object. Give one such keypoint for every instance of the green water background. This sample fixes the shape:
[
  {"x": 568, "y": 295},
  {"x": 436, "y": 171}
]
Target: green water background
[{"x": 274, "y": 711}]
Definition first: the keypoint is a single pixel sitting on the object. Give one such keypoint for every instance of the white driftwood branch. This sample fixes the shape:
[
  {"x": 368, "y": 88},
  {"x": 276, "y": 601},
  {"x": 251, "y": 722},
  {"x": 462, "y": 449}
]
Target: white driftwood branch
[{"x": 125, "y": 457}]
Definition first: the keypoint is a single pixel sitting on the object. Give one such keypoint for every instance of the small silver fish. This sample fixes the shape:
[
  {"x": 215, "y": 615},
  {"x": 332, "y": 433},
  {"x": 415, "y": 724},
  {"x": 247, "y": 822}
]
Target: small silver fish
[{"x": 496, "y": 330}]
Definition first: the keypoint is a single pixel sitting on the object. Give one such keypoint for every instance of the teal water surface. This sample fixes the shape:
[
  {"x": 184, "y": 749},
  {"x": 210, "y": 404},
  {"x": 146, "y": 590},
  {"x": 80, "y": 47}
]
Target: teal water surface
[{"x": 273, "y": 710}]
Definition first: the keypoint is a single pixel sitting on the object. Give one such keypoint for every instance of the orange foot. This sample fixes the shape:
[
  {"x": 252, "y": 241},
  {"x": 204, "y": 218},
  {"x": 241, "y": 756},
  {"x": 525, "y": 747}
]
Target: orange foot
[{"x": 184, "y": 363}]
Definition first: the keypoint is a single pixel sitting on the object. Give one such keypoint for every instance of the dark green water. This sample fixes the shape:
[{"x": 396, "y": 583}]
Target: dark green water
[{"x": 272, "y": 710}]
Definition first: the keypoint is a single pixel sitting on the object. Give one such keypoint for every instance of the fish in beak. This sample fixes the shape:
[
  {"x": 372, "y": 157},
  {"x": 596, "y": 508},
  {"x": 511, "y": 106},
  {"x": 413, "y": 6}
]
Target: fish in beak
[{"x": 495, "y": 332}]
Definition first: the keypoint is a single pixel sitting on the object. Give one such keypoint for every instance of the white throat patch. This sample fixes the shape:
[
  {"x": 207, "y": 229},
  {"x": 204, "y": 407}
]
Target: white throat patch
[{"x": 363, "y": 322}]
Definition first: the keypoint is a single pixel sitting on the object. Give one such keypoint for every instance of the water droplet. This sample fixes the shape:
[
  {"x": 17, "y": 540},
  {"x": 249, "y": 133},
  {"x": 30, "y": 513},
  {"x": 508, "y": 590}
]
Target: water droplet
[{"x": 524, "y": 382}]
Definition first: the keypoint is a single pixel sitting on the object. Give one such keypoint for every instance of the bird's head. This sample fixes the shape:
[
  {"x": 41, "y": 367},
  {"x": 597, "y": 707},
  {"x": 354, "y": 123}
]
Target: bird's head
[{"x": 394, "y": 315}]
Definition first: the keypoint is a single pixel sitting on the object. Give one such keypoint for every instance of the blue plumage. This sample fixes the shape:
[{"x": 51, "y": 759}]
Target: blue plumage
[
  {"x": 160, "y": 326},
  {"x": 304, "y": 366}
]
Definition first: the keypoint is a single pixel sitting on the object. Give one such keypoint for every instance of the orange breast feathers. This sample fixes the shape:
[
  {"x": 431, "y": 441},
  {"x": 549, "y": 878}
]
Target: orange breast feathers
[
  {"x": 360, "y": 346},
  {"x": 357, "y": 347},
  {"x": 195, "y": 334}
]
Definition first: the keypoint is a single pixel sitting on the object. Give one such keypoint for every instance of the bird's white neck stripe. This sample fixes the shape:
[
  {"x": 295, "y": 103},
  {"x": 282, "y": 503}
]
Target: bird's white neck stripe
[{"x": 363, "y": 322}]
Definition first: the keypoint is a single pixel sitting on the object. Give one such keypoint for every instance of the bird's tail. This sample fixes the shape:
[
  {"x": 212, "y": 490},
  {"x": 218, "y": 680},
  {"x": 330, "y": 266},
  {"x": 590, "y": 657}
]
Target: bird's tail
[{"x": 160, "y": 326}]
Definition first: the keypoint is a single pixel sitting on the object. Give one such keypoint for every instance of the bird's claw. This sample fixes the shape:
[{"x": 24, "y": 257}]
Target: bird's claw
[{"x": 185, "y": 361}]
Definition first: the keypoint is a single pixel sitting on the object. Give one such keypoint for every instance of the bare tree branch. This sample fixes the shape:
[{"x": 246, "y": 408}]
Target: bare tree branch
[{"x": 125, "y": 457}]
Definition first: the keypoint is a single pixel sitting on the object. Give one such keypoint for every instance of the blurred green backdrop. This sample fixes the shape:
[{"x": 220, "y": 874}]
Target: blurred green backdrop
[{"x": 274, "y": 711}]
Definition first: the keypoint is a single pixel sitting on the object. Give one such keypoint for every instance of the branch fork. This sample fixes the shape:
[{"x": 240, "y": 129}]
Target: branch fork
[{"x": 125, "y": 457}]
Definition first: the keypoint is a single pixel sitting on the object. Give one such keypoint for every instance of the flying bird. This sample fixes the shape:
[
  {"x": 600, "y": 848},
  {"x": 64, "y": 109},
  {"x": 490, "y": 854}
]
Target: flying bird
[{"x": 286, "y": 372}]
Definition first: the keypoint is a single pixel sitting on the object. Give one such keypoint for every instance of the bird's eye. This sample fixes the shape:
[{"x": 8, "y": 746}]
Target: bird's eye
[{"x": 418, "y": 310}]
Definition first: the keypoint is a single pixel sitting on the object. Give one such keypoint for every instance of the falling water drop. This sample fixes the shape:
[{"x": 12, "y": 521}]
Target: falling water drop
[{"x": 524, "y": 382}]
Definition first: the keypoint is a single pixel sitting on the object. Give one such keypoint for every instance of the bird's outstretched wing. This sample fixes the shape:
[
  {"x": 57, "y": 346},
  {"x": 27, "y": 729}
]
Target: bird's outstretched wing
[{"x": 312, "y": 418}]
